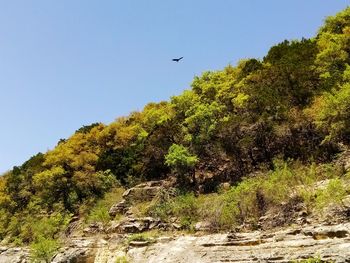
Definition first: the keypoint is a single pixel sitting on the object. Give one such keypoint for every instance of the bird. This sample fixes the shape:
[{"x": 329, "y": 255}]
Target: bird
[{"x": 177, "y": 59}]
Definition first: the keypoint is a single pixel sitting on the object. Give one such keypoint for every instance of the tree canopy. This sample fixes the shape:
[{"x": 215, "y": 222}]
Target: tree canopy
[{"x": 294, "y": 103}]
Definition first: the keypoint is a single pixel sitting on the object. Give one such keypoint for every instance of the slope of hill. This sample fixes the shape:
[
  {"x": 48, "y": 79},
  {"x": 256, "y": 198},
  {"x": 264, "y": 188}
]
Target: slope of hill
[{"x": 267, "y": 128}]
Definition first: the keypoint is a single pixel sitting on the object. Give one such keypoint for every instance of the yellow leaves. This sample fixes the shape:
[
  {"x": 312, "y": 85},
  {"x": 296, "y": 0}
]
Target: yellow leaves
[
  {"x": 80, "y": 151},
  {"x": 333, "y": 41},
  {"x": 48, "y": 178},
  {"x": 4, "y": 198},
  {"x": 346, "y": 74},
  {"x": 125, "y": 134},
  {"x": 240, "y": 100},
  {"x": 156, "y": 114},
  {"x": 315, "y": 108}
]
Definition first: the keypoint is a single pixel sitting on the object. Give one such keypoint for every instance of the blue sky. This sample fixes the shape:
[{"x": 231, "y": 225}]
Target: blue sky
[{"x": 65, "y": 64}]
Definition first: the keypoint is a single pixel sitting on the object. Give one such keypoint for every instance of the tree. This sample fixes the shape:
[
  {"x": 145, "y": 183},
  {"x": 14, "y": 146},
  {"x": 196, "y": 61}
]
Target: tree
[{"x": 181, "y": 161}]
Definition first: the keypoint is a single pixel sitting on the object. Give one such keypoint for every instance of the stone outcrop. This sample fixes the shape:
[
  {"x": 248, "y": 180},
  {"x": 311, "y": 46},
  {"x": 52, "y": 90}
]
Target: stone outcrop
[
  {"x": 143, "y": 192},
  {"x": 14, "y": 255},
  {"x": 329, "y": 243},
  {"x": 134, "y": 225},
  {"x": 140, "y": 193},
  {"x": 93, "y": 228},
  {"x": 79, "y": 250},
  {"x": 291, "y": 234},
  {"x": 118, "y": 208}
]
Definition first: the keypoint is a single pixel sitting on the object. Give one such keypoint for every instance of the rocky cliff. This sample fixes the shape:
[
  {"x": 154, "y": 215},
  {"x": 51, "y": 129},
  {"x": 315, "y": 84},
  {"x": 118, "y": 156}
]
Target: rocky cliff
[{"x": 326, "y": 238}]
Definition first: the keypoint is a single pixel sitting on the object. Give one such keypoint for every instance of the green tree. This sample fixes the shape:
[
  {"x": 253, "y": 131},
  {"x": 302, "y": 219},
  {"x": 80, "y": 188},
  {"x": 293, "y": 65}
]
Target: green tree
[{"x": 181, "y": 161}]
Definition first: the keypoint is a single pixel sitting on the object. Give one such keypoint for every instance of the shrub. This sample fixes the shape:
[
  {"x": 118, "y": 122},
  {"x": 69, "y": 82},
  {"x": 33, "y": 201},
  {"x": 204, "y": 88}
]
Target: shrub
[
  {"x": 122, "y": 259},
  {"x": 145, "y": 236},
  {"x": 241, "y": 203},
  {"x": 312, "y": 260},
  {"x": 99, "y": 211},
  {"x": 43, "y": 249},
  {"x": 334, "y": 193},
  {"x": 184, "y": 207}
]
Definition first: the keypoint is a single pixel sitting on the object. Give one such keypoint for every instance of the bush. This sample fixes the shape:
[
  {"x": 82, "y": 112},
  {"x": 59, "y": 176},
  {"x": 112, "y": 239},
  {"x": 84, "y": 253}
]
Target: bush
[
  {"x": 43, "y": 249},
  {"x": 122, "y": 259},
  {"x": 312, "y": 260},
  {"x": 184, "y": 207},
  {"x": 99, "y": 211},
  {"x": 246, "y": 202},
  {"x": 241, "y": 203},
  {"x": 334, "y": 193},
  {"x": 149, "y": 237}
]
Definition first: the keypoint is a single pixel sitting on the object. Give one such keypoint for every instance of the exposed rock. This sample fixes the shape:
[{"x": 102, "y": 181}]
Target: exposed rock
[
  {"x": 344, "y": 158},
  {"x": 74, "y": 255},
  {"x": 260, "y": 246},
  {"x": 176, "y": 226},
  {"x": 140, "y": 193},
  {"x": 329, "y": 242},
  {"x": 119, "y": 208},
  {"x": 225, "y": 186},
  {"x": 293, "y": 212},
  {"x": 93, "y": 228},
  {"x": 202, "y": 226},
  {"x": 78, "y": 250},
  {"x": 139, "y": 243},
  {"x": 73, "y": 226},
  {"x": 134, "y": 225},
  {"x": 14, "y": 255}
]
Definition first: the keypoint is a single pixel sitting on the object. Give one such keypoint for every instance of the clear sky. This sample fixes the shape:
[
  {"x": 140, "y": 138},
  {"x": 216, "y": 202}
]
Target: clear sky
[{"x": 64, "y": 64}]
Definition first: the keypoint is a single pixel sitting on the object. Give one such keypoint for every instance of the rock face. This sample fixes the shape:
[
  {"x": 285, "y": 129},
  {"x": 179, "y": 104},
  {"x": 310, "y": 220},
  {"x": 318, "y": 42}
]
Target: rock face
[
  {"x": 14, "y": 255},
  {"x": 330, "y": 243},
  {"x": 344, "y": 158},
  {"x": 307, "y": 236},
  {"x": 140, "y": 193},
  {"x": 80, "y": 250},
  {"x": 119, "y": 208},
  {"x": 135, "y": 225}
]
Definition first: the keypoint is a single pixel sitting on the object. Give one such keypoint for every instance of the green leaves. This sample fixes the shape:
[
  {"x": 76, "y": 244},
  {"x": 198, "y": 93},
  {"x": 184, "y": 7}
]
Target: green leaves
[
  {"x": 179, "y": 157},
  {"x": 332, "y": 113},
  {"x": 43, "y": 249}
]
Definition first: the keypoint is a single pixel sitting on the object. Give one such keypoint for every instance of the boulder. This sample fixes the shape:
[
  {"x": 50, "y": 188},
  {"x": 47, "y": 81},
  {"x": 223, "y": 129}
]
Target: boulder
[
  {"x": 141, "y": 194},
  {"x": 134, "y": 225},
  {"x": 93, "y": 228},
  {"x": 119, "y": 208},
  {"x": 202, "y": 226}
]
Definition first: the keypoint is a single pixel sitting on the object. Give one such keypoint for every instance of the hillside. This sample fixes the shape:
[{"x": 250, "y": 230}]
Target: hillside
[{"x": 240, "y": 143}]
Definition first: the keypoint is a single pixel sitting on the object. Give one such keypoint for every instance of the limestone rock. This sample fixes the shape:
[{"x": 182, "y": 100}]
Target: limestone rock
[
  {"x": 134, "y": 225},
  {"x": 93, "y": 228},
  {"x": 119, "y": 208},
  {"x": 202, "y": 226},
  {"x": 141, "y": 193},
  {"x": 330, "y": 243},
  {"x": 78, "y": 250},
  {"x": 14, "y": 255}
]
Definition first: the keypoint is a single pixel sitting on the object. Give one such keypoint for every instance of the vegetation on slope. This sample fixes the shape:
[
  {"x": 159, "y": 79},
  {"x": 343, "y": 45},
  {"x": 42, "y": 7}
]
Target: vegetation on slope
[{"x": 294, "y": 104}]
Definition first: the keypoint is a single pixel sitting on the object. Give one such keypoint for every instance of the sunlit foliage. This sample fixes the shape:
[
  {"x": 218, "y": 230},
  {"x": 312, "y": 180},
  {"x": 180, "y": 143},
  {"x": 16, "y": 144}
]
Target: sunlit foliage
[{"x": 292, "y": 104}]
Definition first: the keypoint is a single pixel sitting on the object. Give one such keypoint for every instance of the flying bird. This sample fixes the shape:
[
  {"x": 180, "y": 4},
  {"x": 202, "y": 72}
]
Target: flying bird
[{"x": 177, "y": 59}]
